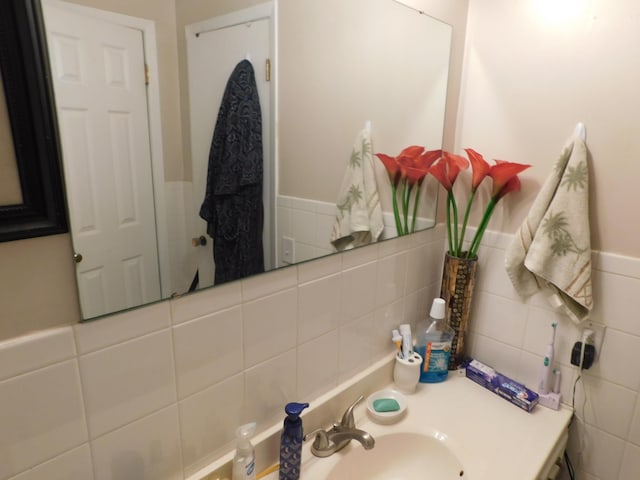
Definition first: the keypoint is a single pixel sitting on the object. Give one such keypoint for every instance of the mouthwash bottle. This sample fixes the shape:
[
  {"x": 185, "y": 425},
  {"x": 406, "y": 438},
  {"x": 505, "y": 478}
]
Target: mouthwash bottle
[{"x": 434, "y": 344}]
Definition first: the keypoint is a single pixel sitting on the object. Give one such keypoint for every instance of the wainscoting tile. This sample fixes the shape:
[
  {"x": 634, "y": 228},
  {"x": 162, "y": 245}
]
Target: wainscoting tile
[
  {"x": 610, "y": 407},
  {"x": 356, "y": 347},
  {"x": 630, "y": 463},
  {"x": 322, "y": 267},
  {"x": 205, "y": 302},
  {"x": 499, "y": 318},
  {"x": 538, "y": 332},
  {"x": 392, "y": 278},
  {"x": 500, "y": 356},
  {"x": 72, "y": 465},
  {"x": 127, "y": 381},
  {"x": 304, "y": 225},
  {"x": 208, "y": 350},
  {"x": 359, "y": 256},
  {"x": 269, "y": 283},
  {"x": 615, "y": 297},
  {"x": 91, "y": 336},
  {"x": 358, "y": 291},
  {"x": 318, "y": 307},
  {"x": 37, "y": 350},
  {"x": 385, "y": 320},
  {"x": 269, "y": 326},
  {"x": 317, "y": 366},
  {"x": 268, "y": 388},
  {"x": 615, "y": 363},
  {"x": 634, "y": 429},
  {"x": 41, "y": 417},
  {"x": 208, "y": 419},
  {"x": 147, "y": 449},
  {"x": 604, "y": 455}
]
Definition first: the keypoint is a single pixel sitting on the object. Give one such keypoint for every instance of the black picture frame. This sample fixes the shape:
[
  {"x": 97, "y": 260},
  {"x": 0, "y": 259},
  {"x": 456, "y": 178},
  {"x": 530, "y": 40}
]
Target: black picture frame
[{"x": 24, "y": 71}]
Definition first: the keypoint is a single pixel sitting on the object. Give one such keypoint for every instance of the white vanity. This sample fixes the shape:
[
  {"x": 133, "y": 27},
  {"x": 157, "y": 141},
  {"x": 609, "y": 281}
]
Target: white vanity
[{"x": 455, "y": 429}]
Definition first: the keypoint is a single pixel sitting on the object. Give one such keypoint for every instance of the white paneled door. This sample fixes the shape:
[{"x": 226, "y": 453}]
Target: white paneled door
[
  {"x": 212, "y": 54},
  {"x": 98, "y": 73}
]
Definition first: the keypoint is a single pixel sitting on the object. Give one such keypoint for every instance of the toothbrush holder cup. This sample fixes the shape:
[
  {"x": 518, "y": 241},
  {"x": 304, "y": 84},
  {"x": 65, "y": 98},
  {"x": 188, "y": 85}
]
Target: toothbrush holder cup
[{"x": 406, "y": 372}]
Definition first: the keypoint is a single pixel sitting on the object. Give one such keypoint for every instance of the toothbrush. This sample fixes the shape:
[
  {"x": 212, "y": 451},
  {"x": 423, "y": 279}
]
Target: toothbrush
[
  {"x": 407, "y": 343},
  {"x": 397, "y": 339},
  {"x": 545, "y": 381}
]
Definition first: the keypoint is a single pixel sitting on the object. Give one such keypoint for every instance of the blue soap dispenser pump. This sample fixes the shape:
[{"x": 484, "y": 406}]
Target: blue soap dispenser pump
[{"x": 291, "y": 442}]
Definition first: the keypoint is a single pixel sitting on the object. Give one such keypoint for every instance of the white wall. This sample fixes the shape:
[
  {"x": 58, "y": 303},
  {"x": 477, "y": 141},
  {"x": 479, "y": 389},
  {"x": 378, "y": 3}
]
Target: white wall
[{"x": 527, "y": 80}]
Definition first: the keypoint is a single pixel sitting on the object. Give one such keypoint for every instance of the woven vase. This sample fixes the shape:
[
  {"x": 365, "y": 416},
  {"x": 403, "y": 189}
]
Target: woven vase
[{"x": 458, "y": 282}]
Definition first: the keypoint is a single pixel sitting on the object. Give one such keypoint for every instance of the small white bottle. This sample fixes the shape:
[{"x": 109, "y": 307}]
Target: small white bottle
[{"x": 244, "y": 461}]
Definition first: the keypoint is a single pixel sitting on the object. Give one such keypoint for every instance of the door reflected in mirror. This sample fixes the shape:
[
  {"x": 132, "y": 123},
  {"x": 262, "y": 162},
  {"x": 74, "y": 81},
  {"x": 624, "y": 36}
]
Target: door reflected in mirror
[{"x": 138, "y": 90}]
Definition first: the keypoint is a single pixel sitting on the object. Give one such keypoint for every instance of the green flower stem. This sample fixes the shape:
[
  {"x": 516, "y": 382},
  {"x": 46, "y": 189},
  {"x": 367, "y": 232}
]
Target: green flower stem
[
  {"x": 455, "y": 223},
  {"x": 406, "y": 193},
  {"x": 448, "y": 212},
  {"x": 415, "y": 209},
  {"x": 396, "y": 214},
  {"x": 466, "y": 219},
  {"x": 477, "y": 238}
]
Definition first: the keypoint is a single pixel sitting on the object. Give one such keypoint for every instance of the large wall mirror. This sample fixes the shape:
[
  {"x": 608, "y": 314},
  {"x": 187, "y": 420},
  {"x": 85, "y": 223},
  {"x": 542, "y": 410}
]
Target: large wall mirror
[{"x": 138, "y": 87}]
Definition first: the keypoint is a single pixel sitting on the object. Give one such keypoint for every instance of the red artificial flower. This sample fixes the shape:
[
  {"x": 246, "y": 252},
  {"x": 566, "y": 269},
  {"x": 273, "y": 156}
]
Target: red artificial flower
[
  {"x": 502, "y": 172},
  {"x": 446, "y": 169},
  {"x": 479, "y": 166},
  {"x": 392, "y": 166}
]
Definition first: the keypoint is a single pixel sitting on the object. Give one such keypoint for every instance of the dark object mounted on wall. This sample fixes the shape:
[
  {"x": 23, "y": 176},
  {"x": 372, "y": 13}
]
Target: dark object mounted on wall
[{"x": 25, "y": 75}]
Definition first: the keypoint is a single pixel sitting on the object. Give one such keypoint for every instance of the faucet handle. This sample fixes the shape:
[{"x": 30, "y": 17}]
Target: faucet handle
[
  {"x": 347, "y": 419},
  {"x": 320, "y": 438}
]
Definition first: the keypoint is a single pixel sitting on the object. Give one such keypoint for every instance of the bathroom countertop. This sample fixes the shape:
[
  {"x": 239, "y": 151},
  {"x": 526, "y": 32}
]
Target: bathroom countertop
[{"x": 492, "y": 438}]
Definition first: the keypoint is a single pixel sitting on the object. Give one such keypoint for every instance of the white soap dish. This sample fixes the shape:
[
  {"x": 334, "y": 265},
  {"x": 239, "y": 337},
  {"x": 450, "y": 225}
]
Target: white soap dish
[{"x": 387, "y": 417}]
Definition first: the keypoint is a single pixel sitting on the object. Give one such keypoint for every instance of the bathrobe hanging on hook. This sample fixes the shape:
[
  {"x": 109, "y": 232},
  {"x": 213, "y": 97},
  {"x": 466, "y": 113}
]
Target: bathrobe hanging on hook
[{"x": 232, "y": 205}]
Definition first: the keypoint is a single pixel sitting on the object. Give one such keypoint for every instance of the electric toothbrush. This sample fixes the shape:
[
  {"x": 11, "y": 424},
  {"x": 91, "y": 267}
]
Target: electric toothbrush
[{"x": 547, "y": 368}]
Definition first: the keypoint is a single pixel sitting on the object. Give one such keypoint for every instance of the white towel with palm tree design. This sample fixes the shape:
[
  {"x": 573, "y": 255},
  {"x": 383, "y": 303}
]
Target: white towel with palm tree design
[
  {"x": 552, "y": 249},
  {"x": 359, "y": 217}
]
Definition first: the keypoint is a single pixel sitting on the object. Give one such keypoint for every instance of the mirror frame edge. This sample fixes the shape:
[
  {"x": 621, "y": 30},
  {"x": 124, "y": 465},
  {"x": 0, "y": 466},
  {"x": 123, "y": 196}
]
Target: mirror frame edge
[{"x": 29, "y": 95}]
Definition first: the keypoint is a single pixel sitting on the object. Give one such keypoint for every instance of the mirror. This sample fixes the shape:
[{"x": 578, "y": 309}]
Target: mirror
[{"x": 335, "y": 67}]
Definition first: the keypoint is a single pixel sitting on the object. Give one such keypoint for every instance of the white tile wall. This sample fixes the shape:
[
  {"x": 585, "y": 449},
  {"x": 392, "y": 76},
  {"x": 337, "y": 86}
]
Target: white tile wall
[
  {"x": 511, "y": 335},
  {"x": 72, "y": 465},
  {"x": 310, "y": 223},
  {"x": 155, "y": 392}
]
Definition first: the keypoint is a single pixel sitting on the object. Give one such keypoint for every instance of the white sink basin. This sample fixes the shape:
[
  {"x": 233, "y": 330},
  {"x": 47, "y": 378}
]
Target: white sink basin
[{"x": 399, "y": 456}]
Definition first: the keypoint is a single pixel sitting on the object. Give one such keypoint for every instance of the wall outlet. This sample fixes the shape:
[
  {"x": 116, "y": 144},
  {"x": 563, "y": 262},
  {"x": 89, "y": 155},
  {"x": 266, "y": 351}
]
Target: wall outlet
[
  {"x": 598, "y": 336},
  {"x": 287, "y": 250}
]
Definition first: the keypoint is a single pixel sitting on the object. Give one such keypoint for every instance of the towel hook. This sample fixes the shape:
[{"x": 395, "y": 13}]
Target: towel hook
[{"x": 581, "y": 131}]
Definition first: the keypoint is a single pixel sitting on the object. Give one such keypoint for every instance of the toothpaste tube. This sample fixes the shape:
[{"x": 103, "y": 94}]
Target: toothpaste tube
[{"x": 502, "y": 385}]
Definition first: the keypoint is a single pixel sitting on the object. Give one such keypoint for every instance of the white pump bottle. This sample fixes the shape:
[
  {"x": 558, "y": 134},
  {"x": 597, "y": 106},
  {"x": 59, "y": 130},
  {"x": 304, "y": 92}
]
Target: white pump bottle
[{"x": 244, "y": 461}]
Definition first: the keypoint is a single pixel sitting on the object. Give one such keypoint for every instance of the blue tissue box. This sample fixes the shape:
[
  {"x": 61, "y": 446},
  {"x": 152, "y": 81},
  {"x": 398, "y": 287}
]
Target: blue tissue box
[{"x": 502, "y": 385}]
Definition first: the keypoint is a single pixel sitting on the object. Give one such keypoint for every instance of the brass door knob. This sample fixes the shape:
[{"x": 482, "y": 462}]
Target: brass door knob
[
  {"x": 77, "y": 257},
  {"x": 200, "y": 241}
]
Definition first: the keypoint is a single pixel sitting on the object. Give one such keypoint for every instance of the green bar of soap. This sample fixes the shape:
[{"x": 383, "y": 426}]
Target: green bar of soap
[{"x": 386, "y": 405}]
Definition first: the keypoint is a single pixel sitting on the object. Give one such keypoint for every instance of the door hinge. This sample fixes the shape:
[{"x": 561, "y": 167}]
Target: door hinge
[
  {"x": 267, "y": 68},
  {"x": 146, "y": 74}
]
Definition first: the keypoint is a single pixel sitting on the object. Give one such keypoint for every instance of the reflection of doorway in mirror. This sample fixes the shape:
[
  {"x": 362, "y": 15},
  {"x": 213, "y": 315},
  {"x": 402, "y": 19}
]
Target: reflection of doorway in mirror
[
  {"x": 10, "y": 192},
  {"x": 101, "y": 102},
  {"x": 221, "y": 43}
]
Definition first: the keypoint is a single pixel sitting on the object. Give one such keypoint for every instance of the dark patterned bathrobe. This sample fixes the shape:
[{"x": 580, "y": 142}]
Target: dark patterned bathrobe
[{"x": 232, "y": 205}]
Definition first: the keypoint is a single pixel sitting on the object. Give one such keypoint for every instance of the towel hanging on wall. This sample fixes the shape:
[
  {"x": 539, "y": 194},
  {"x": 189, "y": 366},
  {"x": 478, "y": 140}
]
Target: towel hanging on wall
[
  {"x": 359, "y": 217},
  {"x": 552, "y": 249}
]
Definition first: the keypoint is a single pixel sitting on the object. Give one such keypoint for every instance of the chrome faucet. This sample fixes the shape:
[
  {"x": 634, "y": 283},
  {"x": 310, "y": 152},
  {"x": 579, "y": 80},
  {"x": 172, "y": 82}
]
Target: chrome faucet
[{"x": 328, "y": 442}]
